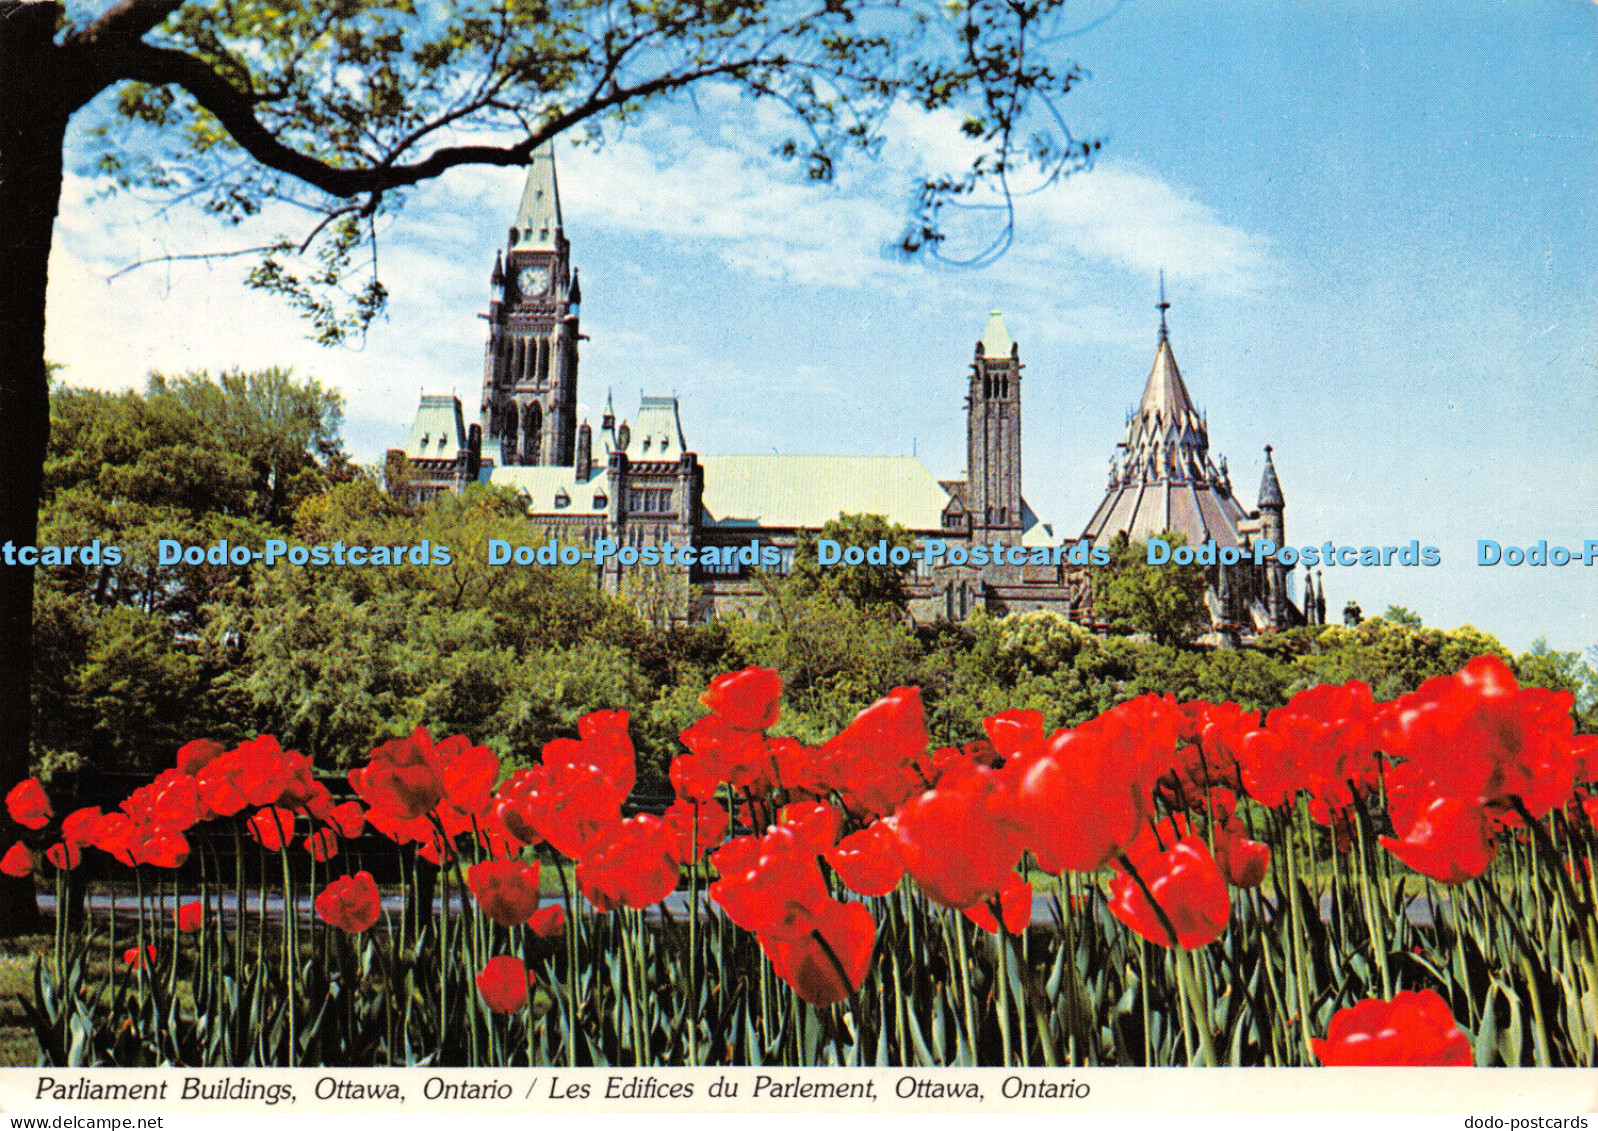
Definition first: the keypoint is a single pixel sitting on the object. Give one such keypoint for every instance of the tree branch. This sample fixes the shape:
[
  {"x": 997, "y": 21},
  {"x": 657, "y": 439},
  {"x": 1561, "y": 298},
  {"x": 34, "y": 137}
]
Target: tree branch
[
  {"x": 235, "y": 109},
  {"x": 128, "y": 20}
]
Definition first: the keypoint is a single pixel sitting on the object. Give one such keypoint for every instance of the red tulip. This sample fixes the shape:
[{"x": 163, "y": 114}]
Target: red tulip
[
  {"x": 503, "y": 983},
  {"x": 300, "y": 790},
  {"x": 28, "y": 805},
  {"x": 522, "y": 803},
  {"x": 1415, "y": 1029},
  {"x": 1188, "y": 888},
  {"x": 78, "y": 825},
  {"x": 350, "y": 903},
  {"x": 1450, "y": 840},
  {"x": 190, "y": 917},
  {"x": 829, "y": 962},
  {"x": 1242, "y": 861},
  {"x": 18, "y": 861},
  {"x": 66, "y": 856},
  {"x": 253, "y": 773},
  {"x": 870, "y": 764},
  {"x": 816, "y": 822},
  {"x": 174, "y": 801},
  {"x": 1321, "y": 740},
  {"x": 603, "y": 743},
  {"x": 271, "y": 827},
  {"x": 322, "y": 845},
  {"x": 952, "y": 841},
  {"x": 1080, "y": 797},
  {"x": 162, "y": 848},
  {"x": 770, "y": 885},
  {"x": 694, "y": 777},
  {"x": 548, "y": 922},
  {"x": 404, "y": 777},
  {"x": 583, "y": 803},
  {"x": 194, "y": 756},
  {"x": 691, "y": 825},
  {"x": 1479, "y": 737},
  {"x": 722, "y": 752},
  {"x": 1015, "y": 902},
  {"x": 748, "y": 700},
  {"x": 868, "y": 861},
  {"x": 799, "y": 768},
  {"x": 1013, "y": 732},
  {"x": 137, "y": 959},
  {"x": 348, "y": 819},
  {"x": 506, "y": 890},
  {"x": 115, "y": 834},
  {"x": 632, "y": 864},
  {"x": 469, "y": 775}
]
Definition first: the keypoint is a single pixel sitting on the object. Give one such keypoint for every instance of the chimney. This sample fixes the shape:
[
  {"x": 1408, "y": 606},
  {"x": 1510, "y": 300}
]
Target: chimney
[{"x": 474, "y": 452}]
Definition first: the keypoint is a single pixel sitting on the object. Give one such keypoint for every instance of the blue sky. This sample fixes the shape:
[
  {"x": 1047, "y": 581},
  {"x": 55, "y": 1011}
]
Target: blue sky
[{"x": 1377, "y": 222}]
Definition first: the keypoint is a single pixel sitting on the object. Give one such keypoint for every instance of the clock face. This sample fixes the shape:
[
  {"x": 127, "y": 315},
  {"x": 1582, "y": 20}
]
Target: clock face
[{"x": 533, "y": 281}]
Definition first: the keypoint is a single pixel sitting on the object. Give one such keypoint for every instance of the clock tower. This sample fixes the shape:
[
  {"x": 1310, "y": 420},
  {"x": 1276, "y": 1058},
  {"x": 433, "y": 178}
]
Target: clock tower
[{"x": 529, "y": 409}]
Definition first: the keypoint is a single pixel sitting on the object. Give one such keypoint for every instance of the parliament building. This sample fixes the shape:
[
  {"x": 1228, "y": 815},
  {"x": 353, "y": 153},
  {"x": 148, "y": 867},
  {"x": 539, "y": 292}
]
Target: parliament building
[{"x": 638, "y": 482}]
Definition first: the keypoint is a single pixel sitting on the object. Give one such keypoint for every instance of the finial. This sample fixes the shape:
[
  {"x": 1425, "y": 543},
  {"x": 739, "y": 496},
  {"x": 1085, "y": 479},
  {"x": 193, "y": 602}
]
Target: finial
[
  {"x": 1163, "y": 306},
  {"x": 1268, "y": 449}
]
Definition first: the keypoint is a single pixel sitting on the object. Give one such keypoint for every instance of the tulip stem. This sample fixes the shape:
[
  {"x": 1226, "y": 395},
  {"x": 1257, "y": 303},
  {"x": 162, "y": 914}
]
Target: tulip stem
[
  {"x": 1002, "y": 974},
  {"x": 1184, "y": 980}
]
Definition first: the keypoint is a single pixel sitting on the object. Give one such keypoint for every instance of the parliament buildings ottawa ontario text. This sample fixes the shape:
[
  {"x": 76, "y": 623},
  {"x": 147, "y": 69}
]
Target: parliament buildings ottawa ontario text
[{"x": 638, "y": 483}]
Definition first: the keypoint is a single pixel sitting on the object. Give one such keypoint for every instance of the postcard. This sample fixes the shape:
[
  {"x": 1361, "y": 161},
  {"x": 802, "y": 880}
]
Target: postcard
[{"x": 766, "y": 557}]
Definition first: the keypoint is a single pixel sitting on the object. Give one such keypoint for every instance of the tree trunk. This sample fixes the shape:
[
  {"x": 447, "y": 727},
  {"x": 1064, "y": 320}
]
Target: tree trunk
[{"x": 33, "y": 119}]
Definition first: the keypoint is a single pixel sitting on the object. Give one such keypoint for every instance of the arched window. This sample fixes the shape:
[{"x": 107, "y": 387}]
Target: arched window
[
  {"x": 543, "y": 361},
  {"x": 509, "y": 434},
  {"x": 533, "y": 435}
]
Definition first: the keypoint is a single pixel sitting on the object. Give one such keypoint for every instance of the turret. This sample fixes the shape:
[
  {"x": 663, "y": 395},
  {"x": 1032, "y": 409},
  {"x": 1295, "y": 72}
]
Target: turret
[
  {"x": 585, "y": 452},
  {"x": 1271, "y": 503}
]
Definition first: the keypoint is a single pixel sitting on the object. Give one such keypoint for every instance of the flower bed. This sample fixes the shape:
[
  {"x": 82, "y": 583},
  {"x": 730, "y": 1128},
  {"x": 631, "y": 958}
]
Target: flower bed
[{"x": 882, "y": 912}]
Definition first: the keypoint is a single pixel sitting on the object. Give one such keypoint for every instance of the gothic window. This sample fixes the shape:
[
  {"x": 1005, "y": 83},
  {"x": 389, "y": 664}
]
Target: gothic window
[
  {"x": 533, "y": 439},
  {"x": 510, "y": 434},
  {"x": 543, "y": 362}
]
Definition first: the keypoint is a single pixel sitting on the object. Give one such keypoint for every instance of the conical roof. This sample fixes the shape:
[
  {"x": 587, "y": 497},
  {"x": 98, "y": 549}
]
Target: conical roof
[
  {"x": 1166, "y": 396},
  {"x": 538, "y": 217},
  {"x": 1161, "y": 478},
  {"x": 1270, "y": 487}
]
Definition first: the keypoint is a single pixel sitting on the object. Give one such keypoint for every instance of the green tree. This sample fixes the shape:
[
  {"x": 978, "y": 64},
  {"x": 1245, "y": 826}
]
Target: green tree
[
  {"x": 1393, "y": 658},
  {"x": 119, "y": 678},
  {"x": 1165, "y": 601},
  {"x": 336, "y": 109},
  {"x": 867, "y": 584},
  {"x": 1398, "y": 614}
]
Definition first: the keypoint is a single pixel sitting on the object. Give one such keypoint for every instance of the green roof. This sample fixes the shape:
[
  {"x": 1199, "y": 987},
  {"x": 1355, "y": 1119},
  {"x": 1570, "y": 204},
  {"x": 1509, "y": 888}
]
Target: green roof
[{"x": 801, "y": 491}]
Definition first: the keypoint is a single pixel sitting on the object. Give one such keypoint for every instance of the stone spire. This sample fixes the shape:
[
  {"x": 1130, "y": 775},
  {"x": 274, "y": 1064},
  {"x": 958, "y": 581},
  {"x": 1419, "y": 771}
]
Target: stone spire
[
  {"x": 538, "y": 218},
  {"x": 1270, "y": 488}
]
